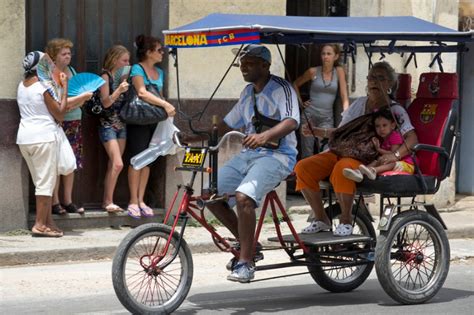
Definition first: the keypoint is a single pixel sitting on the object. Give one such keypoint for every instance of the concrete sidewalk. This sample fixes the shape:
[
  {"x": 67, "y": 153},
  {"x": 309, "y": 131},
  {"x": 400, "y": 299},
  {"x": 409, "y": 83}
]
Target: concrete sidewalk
[{"x": 83, "y": 245}]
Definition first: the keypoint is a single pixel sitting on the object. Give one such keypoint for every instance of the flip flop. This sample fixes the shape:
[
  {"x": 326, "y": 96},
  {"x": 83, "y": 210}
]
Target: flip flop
[
  {"x": 112, "y": 208},
  {"x": 147, "y": 211},
  {"x": 134, "y": 211},
  {"x": 47, "y": 232}
]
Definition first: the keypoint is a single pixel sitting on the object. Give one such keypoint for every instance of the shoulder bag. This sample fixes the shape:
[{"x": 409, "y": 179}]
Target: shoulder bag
[
  {"x": 94, "y": 105},
  {"x": 354, "y": 140},
  {"x": 263, "y": 123},
  {"x": 138, "y": 112}
]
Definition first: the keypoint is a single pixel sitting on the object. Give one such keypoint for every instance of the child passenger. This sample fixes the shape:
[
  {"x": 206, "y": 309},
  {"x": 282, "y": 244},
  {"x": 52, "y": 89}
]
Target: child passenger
[{"x": 386, "y": 129}]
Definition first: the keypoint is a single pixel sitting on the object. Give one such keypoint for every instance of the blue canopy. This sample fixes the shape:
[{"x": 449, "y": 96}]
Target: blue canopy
[{"x": 230, "y": 29}]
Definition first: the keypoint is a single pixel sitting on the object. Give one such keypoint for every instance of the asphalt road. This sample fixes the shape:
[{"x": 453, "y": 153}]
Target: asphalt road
[{"x": 86, "y": 288}]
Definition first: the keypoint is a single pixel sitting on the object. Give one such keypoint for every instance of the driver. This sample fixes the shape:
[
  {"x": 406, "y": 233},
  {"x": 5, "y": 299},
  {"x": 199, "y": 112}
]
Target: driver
[{"x": 257, "y": 169}]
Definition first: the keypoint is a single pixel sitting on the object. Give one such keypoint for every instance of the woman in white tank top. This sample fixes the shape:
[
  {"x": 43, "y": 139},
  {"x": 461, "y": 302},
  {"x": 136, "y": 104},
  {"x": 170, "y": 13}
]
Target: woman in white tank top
[{"x": 326, "y": 80}]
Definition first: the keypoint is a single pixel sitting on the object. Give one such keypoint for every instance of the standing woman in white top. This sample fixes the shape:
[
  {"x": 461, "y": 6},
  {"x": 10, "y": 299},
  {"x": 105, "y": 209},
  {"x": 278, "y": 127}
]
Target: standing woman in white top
[
  {"x": 326, "y": 80},
  {"x": 37, "y": 140}
]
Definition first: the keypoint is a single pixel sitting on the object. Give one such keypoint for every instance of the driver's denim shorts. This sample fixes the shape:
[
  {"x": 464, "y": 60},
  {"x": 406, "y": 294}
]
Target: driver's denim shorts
[{"x": 252, "y": 174}]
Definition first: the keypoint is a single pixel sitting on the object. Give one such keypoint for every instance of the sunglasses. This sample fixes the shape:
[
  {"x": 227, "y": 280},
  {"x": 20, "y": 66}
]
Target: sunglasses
[
  {"x": 380, "y": 78},
  {"x": 160, "y": 50}
]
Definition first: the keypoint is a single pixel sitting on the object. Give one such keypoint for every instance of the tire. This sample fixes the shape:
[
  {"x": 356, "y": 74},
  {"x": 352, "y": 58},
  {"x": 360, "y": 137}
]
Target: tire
[
  {"x": 344, "y": 279},
  {"x": 156, "y": 291},
  {"x": 412, "y": 257}
]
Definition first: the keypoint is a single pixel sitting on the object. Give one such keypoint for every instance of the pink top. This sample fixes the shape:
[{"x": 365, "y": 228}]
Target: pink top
[{"x": 395, "y": 138}]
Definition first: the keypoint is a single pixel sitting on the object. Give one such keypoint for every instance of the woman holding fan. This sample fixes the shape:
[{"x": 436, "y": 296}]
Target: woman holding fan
[
  {"x": 149, "y": 52},
  {"x": 112, "y": 130}
]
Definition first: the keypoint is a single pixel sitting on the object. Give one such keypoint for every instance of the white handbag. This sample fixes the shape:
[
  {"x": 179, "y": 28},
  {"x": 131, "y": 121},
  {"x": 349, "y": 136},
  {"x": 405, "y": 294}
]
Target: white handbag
[{"x": 66, "y": 157}]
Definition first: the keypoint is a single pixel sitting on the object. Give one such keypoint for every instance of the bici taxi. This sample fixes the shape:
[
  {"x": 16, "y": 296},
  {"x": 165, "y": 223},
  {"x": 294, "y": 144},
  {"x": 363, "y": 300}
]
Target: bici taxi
[{"x": 153, "y": 270}]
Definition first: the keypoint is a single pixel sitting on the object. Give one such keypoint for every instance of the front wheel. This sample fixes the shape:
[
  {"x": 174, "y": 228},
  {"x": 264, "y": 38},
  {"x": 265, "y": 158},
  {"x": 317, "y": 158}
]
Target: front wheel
[
  {"x": 412, "y": 257},
  {"x": 144, "y": 288}
]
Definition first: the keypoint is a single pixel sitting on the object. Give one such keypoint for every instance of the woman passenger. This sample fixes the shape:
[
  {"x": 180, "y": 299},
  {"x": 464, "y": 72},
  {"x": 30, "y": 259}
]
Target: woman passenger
[{"x": 381, "y": 82}]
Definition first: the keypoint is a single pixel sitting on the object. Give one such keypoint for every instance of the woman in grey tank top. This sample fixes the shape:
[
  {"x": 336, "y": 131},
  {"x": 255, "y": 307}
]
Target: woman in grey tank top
[{"x": 326, "y": 80}]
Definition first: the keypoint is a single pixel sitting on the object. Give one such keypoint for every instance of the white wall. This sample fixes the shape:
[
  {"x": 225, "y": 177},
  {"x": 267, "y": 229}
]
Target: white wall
[{"x": 202, "y": 68}]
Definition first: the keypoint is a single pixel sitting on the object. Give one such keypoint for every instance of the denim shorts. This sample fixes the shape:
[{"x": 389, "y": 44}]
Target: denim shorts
[
  {"x": 111, "y": 133},
  {"x": 252, "y": 174}
]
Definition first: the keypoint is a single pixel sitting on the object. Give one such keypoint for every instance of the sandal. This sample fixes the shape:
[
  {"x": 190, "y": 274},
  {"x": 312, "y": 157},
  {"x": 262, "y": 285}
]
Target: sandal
[
  {"x": 351, "y": 174},
  {"x": 147, "y": 211},
  {"x": 368, "y": 171},
  {"x": 134, "y": 211},
  {"x": 72, "y": 208},
  {"x": 46, "y": 232},
  {"x": 343, "y": 230},
  {"x": 315, "y": 227},
  {"x": 112, "y": 208},
  {"x": 57, "y": 209}
]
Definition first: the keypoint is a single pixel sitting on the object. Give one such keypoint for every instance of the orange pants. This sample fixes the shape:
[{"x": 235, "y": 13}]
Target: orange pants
[{"x": 315, "y": 168}]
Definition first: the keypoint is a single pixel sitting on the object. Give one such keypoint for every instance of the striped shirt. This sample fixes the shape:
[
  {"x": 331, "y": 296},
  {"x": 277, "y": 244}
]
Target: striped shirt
[{"x": 278, "y": 101}]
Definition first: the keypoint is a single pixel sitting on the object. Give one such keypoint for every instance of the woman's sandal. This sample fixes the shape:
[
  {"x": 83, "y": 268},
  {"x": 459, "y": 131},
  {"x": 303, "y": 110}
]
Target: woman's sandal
[
  {"x": 57, "y": 209},
  {"x": 72, "y": 208},
  {"x": 46, "y": 232},
  {"x": 112, "y": 208},
  {"x": 147, "y": 211},
  {"x": 134, "y": 211}
]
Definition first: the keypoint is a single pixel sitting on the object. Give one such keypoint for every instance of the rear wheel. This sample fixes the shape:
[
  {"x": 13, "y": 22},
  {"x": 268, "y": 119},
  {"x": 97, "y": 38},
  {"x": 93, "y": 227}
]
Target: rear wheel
[
  {"x": 342, "y": 278},
  {"x": 147, "y": 289},
  {"x": 412, "y": 257}
]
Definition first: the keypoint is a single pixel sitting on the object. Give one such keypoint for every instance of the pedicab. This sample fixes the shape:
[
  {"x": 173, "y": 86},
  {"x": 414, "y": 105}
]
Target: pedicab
[{"x": 153, "y": 267}]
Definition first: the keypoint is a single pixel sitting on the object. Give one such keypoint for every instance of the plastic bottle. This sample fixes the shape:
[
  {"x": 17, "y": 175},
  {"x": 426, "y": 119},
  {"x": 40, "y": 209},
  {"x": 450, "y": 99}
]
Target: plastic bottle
[{"x": 149, "y": 155}]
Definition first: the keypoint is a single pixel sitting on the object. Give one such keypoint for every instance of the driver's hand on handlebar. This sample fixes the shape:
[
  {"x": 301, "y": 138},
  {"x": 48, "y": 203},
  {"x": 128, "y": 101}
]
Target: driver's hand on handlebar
[{"x": 254, "y": 141}]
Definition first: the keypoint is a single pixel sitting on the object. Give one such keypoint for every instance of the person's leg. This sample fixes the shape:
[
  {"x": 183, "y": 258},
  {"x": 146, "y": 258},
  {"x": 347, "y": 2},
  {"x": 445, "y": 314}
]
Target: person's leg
[
  {"x": 230, "y": 177},
  {"x": 55, "y": 200},
  {"x": 68, "y": 185},
  {"x": 133, "y": 182},
  {"x": 114, "y": 167},
  {"x": 226, "y": 216},
  {"x": 384, "y": 168},
  {"x": 309, "y": 172},
  {"x": 344, "y": 188},
  {"x": 43, "y": 208},
  {"x": 144, "y": 176},
  {"x": 246, "y": 225}
]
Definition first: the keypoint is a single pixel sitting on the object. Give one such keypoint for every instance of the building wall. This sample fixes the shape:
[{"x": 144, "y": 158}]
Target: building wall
[
  {"x": 443, "y": 12},
  {"x": 202, "y": 68},
  {"x": 14, "y": 173}
]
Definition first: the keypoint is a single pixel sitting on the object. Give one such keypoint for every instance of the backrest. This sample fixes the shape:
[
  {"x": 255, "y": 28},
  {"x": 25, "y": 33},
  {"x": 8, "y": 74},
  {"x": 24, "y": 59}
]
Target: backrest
[
  {"x": 403, "y": 95},
  {"x": 434, "y": 114}
]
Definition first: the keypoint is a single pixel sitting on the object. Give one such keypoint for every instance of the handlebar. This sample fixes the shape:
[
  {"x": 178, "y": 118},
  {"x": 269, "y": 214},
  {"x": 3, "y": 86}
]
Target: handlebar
[{"x": 213, "y": 148}]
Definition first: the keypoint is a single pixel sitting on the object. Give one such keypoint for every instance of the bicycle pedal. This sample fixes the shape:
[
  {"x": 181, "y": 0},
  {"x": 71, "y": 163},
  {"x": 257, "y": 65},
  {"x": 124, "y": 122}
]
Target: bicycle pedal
[{"x": 258, "y": 256}]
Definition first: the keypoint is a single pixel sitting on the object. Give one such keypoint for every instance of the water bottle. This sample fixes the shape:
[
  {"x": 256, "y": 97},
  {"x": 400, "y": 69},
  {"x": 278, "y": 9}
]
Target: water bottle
[{"x": 148, "y": 156}]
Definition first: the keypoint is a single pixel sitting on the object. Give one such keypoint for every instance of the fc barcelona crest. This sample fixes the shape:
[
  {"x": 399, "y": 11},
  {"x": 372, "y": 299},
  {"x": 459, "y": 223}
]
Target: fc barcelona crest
[{"x": 428, "y": 113}]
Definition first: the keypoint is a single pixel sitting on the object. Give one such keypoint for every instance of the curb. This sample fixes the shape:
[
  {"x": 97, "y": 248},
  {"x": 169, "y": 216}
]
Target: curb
[{"x": 107, "y": 252}]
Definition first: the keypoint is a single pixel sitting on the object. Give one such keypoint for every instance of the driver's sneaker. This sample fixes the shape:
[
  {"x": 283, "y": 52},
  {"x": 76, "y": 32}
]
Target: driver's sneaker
[
  {"x": 243, "y": 272},
  {"x": 258, "y": 256},
  {"x": 316, "y": 226},
  {"x": 343, "y": 230},
  {"x": 351, "y": 174}
]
